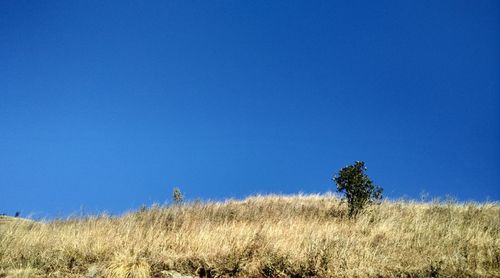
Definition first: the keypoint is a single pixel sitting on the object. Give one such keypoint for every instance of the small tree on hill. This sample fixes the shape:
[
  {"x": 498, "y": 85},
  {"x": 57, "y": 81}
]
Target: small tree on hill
[
  {"x": 358, "y": 188},
  {"x": 177, "y": 196}
]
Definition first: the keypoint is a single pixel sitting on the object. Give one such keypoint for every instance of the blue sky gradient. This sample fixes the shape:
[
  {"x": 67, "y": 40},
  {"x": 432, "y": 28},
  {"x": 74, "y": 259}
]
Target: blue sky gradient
[{"x": 107, "y": 105}]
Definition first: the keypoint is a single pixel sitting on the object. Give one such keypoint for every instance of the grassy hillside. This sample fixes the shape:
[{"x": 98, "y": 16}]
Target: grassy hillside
[
  {"x": 274, "y": 236},
  {"x": 7, "y": 221}
]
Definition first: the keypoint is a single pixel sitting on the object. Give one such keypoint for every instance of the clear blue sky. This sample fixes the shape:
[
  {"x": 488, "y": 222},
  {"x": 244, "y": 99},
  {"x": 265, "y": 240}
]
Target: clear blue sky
[{"x": 108, "y": 105}]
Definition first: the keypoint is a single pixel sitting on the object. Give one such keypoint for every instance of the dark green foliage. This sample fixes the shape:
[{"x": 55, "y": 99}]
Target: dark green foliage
[{"x": 359, "y": 190}]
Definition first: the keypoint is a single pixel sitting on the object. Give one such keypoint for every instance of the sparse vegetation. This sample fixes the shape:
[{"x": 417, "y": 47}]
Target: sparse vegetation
[
  {"x": 262, "y": 236},
  {"x": 358, "y": 188}
]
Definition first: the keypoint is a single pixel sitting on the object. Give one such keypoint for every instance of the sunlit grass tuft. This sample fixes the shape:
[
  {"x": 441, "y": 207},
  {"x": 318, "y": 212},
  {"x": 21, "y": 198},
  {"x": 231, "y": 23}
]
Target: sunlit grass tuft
[{"x": 128, "y": 265}]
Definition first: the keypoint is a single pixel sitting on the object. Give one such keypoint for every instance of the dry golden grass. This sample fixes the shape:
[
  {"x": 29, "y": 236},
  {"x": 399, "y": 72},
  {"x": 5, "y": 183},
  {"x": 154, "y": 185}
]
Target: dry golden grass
[{"x": 273, "y": 236}]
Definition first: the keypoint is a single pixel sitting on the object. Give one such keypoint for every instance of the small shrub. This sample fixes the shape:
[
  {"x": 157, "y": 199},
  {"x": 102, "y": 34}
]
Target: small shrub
[
  {"x": 358, "y": 188},
  {"x": 177, "y": 196}
]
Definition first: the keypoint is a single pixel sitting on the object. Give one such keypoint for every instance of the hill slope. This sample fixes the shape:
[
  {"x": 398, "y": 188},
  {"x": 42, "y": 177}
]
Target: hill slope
[
  {"x": 274, "y": 236},
  {"x": 7, "y": 221}
]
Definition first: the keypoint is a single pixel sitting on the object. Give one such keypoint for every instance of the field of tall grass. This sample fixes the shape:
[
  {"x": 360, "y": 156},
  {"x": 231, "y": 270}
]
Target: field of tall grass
[{"x": 262, "y": 236}]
